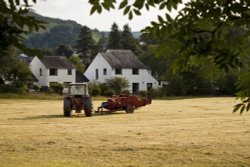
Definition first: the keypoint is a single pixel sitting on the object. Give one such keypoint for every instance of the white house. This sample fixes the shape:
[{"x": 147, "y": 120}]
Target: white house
[
  {"x": 53, "y": 69},
  {"x": 121, "y": 63}
]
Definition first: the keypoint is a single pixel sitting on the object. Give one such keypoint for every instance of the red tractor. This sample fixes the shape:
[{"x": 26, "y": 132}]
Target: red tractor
[
  {"x": 124, "y": 102},
  {"x": 78, "y": 99}
]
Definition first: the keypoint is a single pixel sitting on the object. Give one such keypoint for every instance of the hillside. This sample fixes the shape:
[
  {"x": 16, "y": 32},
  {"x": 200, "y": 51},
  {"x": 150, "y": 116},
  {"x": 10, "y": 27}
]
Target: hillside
[{"x": 57, "y": 32}]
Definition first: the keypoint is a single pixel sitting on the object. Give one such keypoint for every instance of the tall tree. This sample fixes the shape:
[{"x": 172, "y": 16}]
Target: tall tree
[
  {"x": 114, "y": 41},
  {"x": 64, "y": 50},
  {"x": 85, "y": 44},
  {"x": 202, "y": 28},
  {"x": 15, "y": 70},
  {"x": 77, "y": 62},
  {"x": 102, "y": 43},
  {"x": 14, "y": 23},
  {"x": 128, "y": 41}
]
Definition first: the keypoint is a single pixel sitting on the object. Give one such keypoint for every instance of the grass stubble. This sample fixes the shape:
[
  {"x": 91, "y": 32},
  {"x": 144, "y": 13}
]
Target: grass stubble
[{"x": 173, "y": 133}]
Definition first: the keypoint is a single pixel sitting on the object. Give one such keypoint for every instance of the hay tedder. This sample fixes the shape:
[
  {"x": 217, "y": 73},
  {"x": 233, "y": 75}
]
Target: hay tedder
[{"x": 127, "y": 103}]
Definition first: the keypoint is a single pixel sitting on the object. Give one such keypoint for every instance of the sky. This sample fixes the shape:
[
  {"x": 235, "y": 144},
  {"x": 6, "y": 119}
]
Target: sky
[{"x": 79, "y": 11}]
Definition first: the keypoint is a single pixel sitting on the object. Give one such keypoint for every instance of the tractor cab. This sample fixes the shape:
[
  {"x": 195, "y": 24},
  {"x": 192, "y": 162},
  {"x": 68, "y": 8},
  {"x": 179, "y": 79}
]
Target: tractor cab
[
  {"x": 78, "y": 89},
  {"x": 78, "y": 99}
]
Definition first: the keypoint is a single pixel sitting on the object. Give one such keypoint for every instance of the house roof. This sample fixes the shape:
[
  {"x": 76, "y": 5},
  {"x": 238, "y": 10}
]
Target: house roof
[
  {"x": 123, "y": 59},
  {"x": 26, "y": 59},
  {"x": 80, "y": 77},
  {"x": 57, "y": 62}
]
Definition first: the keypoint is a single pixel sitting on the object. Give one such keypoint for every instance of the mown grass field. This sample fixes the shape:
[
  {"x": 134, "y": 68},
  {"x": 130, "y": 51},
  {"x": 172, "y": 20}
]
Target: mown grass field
[{"x": 198, "y": 132}]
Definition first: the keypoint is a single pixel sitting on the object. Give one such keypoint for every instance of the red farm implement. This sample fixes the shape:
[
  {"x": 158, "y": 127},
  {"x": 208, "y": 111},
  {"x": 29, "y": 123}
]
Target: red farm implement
[{"x": 127, "y": 103}]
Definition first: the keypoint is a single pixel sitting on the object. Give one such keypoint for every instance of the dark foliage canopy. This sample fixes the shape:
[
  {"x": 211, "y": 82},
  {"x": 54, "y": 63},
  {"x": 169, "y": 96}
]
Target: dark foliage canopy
[{"x": 14, "y": 23}]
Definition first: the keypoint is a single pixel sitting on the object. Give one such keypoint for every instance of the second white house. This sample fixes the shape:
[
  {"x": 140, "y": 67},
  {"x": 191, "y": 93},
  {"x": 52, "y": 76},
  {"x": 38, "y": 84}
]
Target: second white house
[{"x": 121, "y": 63}]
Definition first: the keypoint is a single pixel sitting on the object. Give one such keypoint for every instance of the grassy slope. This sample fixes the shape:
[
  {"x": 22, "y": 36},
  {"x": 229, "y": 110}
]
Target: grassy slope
[
  {"x": 53, "y": 22},
  {"x": 176, "y": 133}
]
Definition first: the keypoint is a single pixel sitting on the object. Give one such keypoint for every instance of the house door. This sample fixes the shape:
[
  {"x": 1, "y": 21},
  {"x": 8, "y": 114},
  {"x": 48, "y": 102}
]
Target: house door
[
  {"x": 149, "y": 86},
  {"x": 135, "y": 87}
]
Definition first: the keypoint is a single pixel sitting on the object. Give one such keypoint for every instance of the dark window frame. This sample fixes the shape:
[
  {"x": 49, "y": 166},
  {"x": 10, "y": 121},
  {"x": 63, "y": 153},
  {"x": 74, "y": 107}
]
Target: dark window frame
[
  {"x": 118, "y": 71},
  {"x": 96, "y": 74},
  {"x": 53, "y": 72},
  {"x": 135, "y": 71},
  {"x": 105, "y": 71},
  {"x": 69, "y": 71},
  {"x": 40, "y": 72}
]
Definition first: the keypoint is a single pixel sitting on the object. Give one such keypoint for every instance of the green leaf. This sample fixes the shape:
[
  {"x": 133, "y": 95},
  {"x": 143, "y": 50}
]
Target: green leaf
[
  {"x": 237, "y": 107},
  {"x": 151, "y": 3},
  {"x": 93, "y": 9},
  {"x": 130, "y": 16},
  {"x": 242, "y": 109},
  {"x": 99, "y": 9},
  {"x": 168, "y": 17},
  {"x": 106, "y": 5},
  {"x": 123, "y": 4},
  {"x": 137, "y": 12},
  {"x": 126, "y": 10},
  {"x": 160, "y": 20},
  {"x": 154, "y": 23},
  {"x": 139, "y": 4},
  {"x": 162, "y": 6},
  {"x": 248, "y": 106}
]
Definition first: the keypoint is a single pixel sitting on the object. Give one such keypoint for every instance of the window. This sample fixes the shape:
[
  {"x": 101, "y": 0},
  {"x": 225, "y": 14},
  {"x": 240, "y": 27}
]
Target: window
[
  {"x": 96, "y": 74},
  {"x": 149, "y": 86},
  {"x": 40, "y": 72},
  {"x": 104, "y": 71},
  {"x": 135, "y": 71},
  {"x": 118, "y": 71},
  {"x": 53, "y": 72},
  {"x": 69, "y": 71},
  {"x": 135, "y": 87}
]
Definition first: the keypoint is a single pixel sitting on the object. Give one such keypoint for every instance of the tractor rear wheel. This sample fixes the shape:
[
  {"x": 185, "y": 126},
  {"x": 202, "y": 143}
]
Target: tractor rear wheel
[
  {"x": 129, "y": 108},
  {"x": 67, "y": 108},
  {"x": 88, "y": 107}
]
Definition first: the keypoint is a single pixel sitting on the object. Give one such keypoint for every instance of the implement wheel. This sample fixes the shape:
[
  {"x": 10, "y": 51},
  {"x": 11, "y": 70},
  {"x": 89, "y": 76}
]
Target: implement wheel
[
  {"x": 129, "y": 108},
  {"x": 67, "y": 108},
  {"x": 88, "y": 107}
]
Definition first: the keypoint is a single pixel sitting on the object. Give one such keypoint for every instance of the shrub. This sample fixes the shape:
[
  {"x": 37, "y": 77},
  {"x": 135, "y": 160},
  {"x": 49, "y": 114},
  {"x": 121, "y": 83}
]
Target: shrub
[
  {"x": 7, "y": 88},
  {"x": 95, "y": 90},
  {"x": 127, "y": 92},
  {"x": 36, "y": 87},
  {"x": 57, "y": 87},
  {"x": 21, "y": 89},
  {"x": 142, "y": 93},
  {"x": 109, "y": 92},
  {"x": 118, "y": 84},
  {"x": 156, "y": 92}
]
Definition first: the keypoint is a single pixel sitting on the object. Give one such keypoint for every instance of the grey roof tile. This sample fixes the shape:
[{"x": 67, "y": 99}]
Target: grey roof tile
[
  {"x": 57, "y": 62},
  {"x": 123, "y": 59}
]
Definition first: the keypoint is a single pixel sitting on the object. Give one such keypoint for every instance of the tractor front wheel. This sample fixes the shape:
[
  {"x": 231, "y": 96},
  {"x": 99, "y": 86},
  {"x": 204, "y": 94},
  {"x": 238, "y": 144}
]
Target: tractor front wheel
[
  {"x": 129, "y": 109},
  {"x": 88, "y": 107},
  {"x": 67, "y": 108}
]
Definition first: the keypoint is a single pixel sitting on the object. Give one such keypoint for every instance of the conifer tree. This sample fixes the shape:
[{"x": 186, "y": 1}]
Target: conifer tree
[
  {"x": 85, "y": 44},
  {"x": 114, "y": 41}
]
